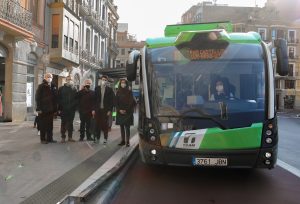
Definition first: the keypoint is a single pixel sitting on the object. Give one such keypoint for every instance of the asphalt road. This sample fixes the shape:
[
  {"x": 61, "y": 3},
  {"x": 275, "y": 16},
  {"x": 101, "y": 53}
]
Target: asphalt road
[{"x": 163, "y": 184}]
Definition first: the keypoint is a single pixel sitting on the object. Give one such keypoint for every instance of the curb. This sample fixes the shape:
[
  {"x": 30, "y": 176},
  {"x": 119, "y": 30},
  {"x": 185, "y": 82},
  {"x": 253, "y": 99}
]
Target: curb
[
  {"x": 113, "y": 186},
  {"x": 105, "y": 172}
]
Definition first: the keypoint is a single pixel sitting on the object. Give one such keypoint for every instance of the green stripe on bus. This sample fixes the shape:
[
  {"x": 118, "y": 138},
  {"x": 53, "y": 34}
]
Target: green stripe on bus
[{"x": 239, "y": 138}]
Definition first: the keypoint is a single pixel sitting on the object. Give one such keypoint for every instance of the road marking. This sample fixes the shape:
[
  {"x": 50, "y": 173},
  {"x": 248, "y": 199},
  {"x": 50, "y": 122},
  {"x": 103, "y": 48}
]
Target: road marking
[{"x": 289, "y": 168}]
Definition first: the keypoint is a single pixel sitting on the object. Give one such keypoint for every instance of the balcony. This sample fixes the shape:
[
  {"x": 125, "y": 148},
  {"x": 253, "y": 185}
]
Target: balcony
[
  {"x": 15, "y": 20},
  {"x": 113, "y": 8},
  {"x": 93, "y": 17},
  {"x": 87, "y": 57},
  {"x": 114, "y": 47},
  {"x": 293, "y": 41}
]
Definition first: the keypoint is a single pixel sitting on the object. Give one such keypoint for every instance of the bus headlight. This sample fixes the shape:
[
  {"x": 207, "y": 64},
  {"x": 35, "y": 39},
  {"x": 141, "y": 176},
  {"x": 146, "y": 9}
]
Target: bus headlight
[
  {"x": 268, "y": 132},
  {"x": 153, "y": 152},
  {"x": 152, "y": 138},
  {"x": 269, "y": 140},
  {"x": 151, "y": 131},
  {"x": 268, "y": 155}
]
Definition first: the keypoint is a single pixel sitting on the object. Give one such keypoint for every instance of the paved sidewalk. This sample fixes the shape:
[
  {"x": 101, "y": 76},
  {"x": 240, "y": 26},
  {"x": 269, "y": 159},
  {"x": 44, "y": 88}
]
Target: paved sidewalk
[{"x": 26, "y": 165}]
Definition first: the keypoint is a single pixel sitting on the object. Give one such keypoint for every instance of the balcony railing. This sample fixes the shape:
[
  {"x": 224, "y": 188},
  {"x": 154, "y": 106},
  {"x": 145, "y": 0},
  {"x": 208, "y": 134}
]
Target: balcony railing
[
  {"x": 114, "y": 47},
  {"x": 12, "y": 11},
  {"x": 91, "y": 59},
  {"x": 93, "y": 17}
]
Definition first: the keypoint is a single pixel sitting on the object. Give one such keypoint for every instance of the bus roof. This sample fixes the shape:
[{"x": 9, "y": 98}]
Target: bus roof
[{"x": 176, "y": 34}]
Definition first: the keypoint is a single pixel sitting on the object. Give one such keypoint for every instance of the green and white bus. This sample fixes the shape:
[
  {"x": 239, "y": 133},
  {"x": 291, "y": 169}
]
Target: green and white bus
[{"x": 207, "y": 97}]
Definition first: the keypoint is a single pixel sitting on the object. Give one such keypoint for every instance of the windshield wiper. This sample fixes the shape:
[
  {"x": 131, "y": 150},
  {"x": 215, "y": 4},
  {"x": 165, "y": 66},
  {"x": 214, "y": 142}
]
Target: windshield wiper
[{"x": 201, "y": 115}]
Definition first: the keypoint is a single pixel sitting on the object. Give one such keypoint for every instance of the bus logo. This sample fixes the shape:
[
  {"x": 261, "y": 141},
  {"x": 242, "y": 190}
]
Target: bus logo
[{"x": 189, "y": 140}]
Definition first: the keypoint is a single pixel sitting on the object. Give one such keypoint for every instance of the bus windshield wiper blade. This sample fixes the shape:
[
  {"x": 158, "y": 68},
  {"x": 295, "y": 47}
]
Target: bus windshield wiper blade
[{"x": 202, "y": 115}]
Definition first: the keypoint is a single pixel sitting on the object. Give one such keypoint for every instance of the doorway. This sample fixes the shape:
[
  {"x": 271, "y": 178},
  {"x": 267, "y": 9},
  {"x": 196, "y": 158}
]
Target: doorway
[{"x": 2, "y": 88}]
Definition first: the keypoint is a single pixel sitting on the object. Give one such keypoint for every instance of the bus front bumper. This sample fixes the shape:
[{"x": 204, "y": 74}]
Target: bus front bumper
[{"x": 245, "y": 158}]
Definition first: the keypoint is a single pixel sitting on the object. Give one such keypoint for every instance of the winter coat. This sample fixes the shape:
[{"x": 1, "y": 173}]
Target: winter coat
[
  {"x": 67, "y": 102},
  {"x": 124, "y": 101},
  {"x": 46, "y": 97},
  {"x": 108, "y": 101},
  {"x": 86, "y": 101}
]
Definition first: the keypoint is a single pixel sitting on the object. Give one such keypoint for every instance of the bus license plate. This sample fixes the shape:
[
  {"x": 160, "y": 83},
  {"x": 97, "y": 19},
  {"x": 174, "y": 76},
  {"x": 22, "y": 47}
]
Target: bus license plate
[{"x": 210, "y": 161}]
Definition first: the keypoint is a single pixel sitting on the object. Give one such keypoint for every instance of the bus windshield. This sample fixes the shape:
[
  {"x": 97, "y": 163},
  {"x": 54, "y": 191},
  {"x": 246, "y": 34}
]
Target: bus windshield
[{"x": 228, "y": 87}]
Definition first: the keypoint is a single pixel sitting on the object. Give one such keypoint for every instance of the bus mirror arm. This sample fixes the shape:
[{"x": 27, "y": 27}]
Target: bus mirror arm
[
  {"x": 281, "y": 55},
  {"x": 132, "y": 65}
]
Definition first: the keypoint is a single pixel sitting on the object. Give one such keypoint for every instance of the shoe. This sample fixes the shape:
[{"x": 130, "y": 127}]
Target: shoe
[
  {"x": 63, "y": 140},
  {"x": 39, "y": 133},
  {"x": 80, "y": 140},
  {"x": 121, "y": 143},
  {"x": 44, "y": 142},
  {"x": 105, "y": 141},
  {"x": 89, "y": 139},
  {"x": 127, "y": 145},
  {"x": 71, "y": 140},
  {"x": 53, "y": 141}
]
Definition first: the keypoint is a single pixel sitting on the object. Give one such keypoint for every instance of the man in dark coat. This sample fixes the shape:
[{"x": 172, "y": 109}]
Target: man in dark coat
[
  {"x": 125, "y": 104},
  {"x": 46, "y": 101},
  {"x": 86, "y": 102},
  {"x": 67, "y": 105},
  {"x": 103, "y": 108}
]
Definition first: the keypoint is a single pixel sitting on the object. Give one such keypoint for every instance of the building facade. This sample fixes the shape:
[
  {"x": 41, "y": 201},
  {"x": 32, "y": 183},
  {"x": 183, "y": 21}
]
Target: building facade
[
  {"x": 63, "y": 37},
  {"x": 113, "y": 18},
  {"x": 22, "y": 50},
  {"x": 271, "y": 23}
]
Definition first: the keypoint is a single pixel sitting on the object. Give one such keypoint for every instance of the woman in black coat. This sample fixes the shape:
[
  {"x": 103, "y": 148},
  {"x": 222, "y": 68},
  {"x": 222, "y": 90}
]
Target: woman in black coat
[{"x": 125, "y": 107}]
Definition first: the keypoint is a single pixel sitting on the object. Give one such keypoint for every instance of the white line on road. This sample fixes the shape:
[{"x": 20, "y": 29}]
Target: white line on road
[{"x": 289, "y": 168}]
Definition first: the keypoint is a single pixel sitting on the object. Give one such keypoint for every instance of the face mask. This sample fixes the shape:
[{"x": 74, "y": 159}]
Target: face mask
[
  {"x": 123, "y": 85},
  {"x": 49, "y": 80},
  {"x": 69, "y": 83},
  {"x": 87, "y": 86},
  {"x": 103, "y": 83},
  {"x": 220, "y": 88}
]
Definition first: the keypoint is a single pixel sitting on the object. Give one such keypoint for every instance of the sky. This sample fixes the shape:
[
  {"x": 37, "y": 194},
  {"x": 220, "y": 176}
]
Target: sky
[{"x": 148, "y": 18}]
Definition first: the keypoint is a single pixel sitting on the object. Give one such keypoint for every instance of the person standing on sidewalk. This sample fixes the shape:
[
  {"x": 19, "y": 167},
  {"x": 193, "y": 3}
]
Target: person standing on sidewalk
[
  {"x": 66, "y": 108},
  {"x": 86, "y": 102},
  {"x": 103, "y": 108},
  {"x": 46, "y": 100},
  {"x": 125, "y": 104}
]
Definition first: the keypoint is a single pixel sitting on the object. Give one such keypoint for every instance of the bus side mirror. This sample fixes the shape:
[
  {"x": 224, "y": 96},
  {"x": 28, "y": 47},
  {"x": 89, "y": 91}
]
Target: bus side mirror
[
  {"x": 132, "y": 65},
  {"x": 282, "y": 57}
]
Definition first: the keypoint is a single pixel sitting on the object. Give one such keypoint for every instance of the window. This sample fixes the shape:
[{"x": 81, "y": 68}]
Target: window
[
  {"x": 103, "y": 12},
  {"x": 123, "y": 51},
  {"x": 35, "y": 10},
  {"x": 87, "y": 39},
  {"x": 289, "y": 84},
  {"x": 76, "y": 34},
  {"x": 280, "y": 34},
  {"x": 263, "y": 33},
  {"x": 95, "y": 46},
  {"x": 102, "y": 50},
  {"x": 291, "y": 37},
  {"x": 274, "y": 33},
  {"x": 278, "y": 84},
  {"x": 291, "y": 70},
  {"x": 55, "y": 31},
  {"x": 292, "y": 52},
  {"x": 71, "y": 35},
  {"x": 66, "y": 32}
]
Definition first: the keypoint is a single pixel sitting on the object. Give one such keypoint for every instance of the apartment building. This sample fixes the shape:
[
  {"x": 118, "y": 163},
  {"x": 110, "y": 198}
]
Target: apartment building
[{"x": 22, "y": 53}]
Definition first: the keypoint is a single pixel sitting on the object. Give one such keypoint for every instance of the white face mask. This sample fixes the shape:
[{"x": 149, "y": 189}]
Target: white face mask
[
  {"x": 220, "y": 88},
  {"x": 123, "y": 85},
  {"x": 49, "y": 80},
  {"x": 103, "y": 83}
]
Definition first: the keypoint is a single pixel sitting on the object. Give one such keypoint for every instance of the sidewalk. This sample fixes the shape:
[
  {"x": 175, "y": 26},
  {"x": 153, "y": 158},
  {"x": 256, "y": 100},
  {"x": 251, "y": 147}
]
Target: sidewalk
[{"x": 26, "y": 166}]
